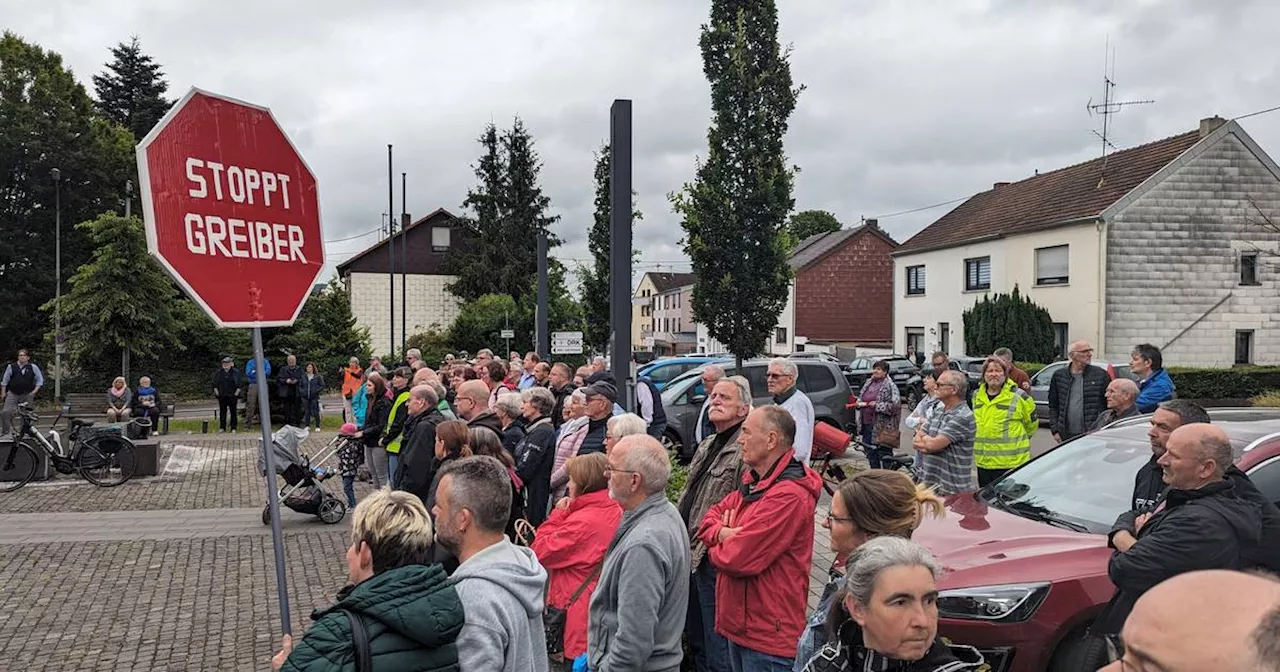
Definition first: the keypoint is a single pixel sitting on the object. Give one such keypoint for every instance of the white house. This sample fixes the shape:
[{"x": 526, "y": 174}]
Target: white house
[{"x": 1164, "y": 243}]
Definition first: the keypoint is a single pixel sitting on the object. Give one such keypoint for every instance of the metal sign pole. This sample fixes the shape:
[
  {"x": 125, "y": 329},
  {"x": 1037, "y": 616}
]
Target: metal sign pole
[{"x": 268, "y": 452}]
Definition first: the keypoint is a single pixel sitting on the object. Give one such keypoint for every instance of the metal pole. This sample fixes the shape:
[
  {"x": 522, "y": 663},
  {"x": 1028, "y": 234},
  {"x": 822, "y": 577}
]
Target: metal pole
[
  {"x": 128, "y": 204},
  {"x": 391, "y": 249},
  {"x": 264, "y": 410},
  {"x": 58, "y": 343},
  {"x": 620, "y": 247},
  {"x": 404, "y": 264},
  {"x": 543, "y": 341}
]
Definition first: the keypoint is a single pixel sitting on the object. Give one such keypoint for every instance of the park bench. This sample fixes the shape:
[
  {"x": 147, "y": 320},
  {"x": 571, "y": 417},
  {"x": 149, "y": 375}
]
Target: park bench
[{"x": 93, "y": 406}]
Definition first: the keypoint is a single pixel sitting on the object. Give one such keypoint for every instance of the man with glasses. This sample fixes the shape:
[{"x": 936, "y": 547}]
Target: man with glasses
[
  {"x": 711, "y": 374},
  {"x": 600, "y": 399},
  {"x": 946, "y": 438},
  {"x": 472, "y": 405},
  {"x": 1077, "y": 394},
  {"x": 782, "y": 377},
  {"x": 637, "y": 612}
]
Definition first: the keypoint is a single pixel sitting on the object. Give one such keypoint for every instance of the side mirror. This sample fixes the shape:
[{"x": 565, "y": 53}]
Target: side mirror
[{"x": 697, "y": 398}]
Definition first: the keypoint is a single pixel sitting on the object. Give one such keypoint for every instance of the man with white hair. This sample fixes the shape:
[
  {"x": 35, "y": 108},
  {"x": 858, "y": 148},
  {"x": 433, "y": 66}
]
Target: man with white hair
[
  {"x": 1122, "y": 395},
  {"x": 782, "y": 378},
  {"x": 637, "y": 611},
  {"x": 599, "y": 365},
  {"x": 711, "y": 374},
  {"x": 413, "y": 359}
]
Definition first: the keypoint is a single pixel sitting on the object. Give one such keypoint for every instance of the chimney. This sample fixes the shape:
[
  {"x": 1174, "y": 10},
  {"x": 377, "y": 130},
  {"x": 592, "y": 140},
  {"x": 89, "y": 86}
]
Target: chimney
[
  {"x": 997, "y": 185},
  {"x": 873, "y": 223},
  {"x": 1210, "y": 125}
]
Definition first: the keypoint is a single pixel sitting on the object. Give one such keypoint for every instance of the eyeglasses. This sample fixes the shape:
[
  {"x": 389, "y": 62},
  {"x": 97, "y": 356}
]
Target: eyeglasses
[
  {"x": 777, "y": 375},
  {"x": 838, "y": 519},
  {"x": 609, "y": 471}
]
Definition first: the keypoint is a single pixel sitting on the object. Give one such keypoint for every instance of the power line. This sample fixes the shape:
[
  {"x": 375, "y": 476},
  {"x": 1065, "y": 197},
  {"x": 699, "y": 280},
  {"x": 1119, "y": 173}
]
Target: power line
[
  {"x": 927, "y": 207},
  {"x": 358, "y": 235},
  {"x": 1254, "y": 114}
]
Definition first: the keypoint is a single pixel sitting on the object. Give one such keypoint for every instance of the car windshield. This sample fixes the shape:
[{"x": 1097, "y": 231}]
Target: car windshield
[{"x": 1087, "y": 482}]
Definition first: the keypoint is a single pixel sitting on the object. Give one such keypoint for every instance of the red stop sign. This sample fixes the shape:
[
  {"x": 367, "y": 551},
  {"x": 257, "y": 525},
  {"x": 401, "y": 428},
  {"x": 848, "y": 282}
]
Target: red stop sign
[{"x": 231, "y": 210}]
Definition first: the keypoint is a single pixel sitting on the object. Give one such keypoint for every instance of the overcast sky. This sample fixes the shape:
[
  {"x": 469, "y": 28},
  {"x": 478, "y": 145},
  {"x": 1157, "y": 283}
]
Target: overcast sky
[{"x": 907, "y": 104}]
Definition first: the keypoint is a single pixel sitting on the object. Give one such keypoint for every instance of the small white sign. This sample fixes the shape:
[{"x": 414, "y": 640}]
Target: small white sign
[
  {"x": 508, "y": 333},
  {"x": 566, "y": 342}
]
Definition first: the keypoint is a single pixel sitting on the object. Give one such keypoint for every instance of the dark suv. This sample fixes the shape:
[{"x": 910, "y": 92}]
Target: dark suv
[
  {"x": 903, "y": 371},
  {"x": 822, "y": 381}
]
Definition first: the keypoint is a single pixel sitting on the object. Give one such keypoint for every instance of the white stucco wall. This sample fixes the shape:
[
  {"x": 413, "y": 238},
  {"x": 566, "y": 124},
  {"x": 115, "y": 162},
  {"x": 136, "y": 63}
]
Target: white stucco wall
[
  {"x": 786, "y": 319},
  {"x": 427, "y": 299},
  {"x": 1076, "y": 303}
]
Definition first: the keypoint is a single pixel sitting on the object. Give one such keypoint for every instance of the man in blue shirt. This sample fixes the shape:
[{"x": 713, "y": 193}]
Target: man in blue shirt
[
  {"x": 527, "y": 379},
  {"x": 1154, "y": 383},
  {"x": 21, "y": 381},
  {"x": 251, "y": 396}
]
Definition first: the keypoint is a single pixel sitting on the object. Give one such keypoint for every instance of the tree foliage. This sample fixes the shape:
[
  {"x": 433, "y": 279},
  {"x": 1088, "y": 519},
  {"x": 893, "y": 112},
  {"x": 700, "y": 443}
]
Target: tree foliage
[
  {"x": 325, "y": 332},
  {"x": 47, "y": 120},
  {"x": 594, "y": 278},
  {"x": 507, "y": 212},
  {"x": 734, "y": 212},
  {"x": 131, "y": 90},
  {"x": 1010, "y": 321},
  {"x": 809, "y": 222}
]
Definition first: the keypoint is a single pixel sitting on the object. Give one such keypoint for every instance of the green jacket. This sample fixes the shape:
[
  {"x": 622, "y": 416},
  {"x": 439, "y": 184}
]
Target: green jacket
[{"x": 412, "y": 615}]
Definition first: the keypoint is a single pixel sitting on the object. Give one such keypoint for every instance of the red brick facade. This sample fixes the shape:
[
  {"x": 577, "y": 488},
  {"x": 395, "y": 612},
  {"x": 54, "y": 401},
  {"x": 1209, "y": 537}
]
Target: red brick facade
[{"x": 847, "y": 294}]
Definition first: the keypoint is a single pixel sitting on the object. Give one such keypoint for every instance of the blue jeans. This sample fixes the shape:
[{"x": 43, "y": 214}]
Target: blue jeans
[
  {"x": 393, "y": 464},
  {"x": 313, "y": 411},
  {"x": 742, "y": 659},
  {"x": 710, "y": 650},
  {"x": 869, "y": 447},
  {"x": 349, "y": 487}
]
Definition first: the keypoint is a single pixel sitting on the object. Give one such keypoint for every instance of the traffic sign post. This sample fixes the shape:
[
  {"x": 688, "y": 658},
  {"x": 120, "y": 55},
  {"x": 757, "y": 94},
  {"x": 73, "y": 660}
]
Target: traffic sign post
[
  {"x": 566, "y": 342},
  {"x": 231, "y": 211}
]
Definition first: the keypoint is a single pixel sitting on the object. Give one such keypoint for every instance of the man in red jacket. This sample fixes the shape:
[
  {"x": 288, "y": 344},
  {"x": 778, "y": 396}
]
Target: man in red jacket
[{"x": 760, "y": 539}]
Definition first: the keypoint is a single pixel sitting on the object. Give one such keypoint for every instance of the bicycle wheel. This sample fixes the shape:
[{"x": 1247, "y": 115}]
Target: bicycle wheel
[
  {"x": 18, "y": 463},
  {"x": 107, "y": 461}
]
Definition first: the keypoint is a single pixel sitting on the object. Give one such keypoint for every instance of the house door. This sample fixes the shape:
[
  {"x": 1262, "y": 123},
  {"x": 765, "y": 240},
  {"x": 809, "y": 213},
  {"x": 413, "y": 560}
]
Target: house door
[{"x": 944, "y": 337}]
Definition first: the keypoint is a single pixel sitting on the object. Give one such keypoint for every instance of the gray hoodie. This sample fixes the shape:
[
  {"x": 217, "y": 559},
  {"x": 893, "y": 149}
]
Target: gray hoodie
[{"x": 501, "y": 589}]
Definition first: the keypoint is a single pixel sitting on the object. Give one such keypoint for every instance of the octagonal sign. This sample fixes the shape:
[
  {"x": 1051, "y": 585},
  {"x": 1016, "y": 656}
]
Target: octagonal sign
[{"x": 231, "y": 210}]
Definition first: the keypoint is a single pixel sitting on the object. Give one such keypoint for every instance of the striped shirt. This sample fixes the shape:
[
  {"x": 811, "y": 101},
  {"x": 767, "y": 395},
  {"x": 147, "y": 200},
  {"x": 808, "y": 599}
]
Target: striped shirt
[{"x": 951, "y": 471}]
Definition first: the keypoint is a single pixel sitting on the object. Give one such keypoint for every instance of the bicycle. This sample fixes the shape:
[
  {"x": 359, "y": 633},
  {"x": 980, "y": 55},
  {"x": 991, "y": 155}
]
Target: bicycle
[{"x": 104, "y": 458}]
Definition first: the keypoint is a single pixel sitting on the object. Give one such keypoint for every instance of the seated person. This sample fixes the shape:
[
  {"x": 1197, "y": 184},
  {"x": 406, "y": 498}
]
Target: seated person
[
  {"x": 119, "y": 397},
  {"x": 411, "y": 614},
  {"x": 146, "y": 402}
]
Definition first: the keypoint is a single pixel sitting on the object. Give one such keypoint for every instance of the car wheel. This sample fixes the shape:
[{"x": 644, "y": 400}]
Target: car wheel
[
  {"x": 913, "y": 398},
  {"x": 672, "y": 443},
  {"x": 1080, "y": 652}
]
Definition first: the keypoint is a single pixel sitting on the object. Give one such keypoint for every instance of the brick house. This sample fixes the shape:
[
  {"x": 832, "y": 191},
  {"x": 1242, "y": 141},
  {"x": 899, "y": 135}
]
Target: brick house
[
  {"x": 843, "y": 295},
  {"x": 1165, "y": 243}
]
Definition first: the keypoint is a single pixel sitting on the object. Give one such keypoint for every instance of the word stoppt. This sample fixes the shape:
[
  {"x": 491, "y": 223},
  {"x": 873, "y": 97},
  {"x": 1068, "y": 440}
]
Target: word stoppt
[{"x": 214, "y": 235}]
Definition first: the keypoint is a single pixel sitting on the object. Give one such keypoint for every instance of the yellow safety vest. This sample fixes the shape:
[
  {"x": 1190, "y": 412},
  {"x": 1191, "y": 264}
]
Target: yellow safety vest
[
  {"x": 1005, "y": 425},
  {"x": 393, "y": 446}
]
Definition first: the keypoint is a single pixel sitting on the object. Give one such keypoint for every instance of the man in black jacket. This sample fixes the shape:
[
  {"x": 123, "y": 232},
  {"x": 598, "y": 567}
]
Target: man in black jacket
[
  {"x": 536, "y": 451},
  {"x": 1148, "y": 484},
  {"x": 226, "y": 387},
  {"x": 1202, "y": 522},
  {"x": 600, "y": 399},
  {"x": 560, "y": 382},
  {"x": 1077, "y": 394},
  {"x": 418, "y": 447},
  {"x": 287, "y": 381}
]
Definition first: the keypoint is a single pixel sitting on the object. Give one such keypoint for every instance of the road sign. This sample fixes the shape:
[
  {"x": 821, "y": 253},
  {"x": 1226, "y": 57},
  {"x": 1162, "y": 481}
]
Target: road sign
[
  {"x": 566, "y": 342},
  {"x": 508, "y": 333},
  {"x": 231, "y": 210}
]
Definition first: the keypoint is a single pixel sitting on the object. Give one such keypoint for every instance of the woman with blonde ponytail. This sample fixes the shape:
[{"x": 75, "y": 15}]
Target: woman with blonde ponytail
[{"x": 870, "y": 504}]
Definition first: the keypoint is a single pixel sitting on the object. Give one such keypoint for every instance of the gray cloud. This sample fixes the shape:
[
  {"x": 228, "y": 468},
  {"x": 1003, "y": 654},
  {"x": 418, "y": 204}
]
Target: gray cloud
[{"x": 906, "y": 104}]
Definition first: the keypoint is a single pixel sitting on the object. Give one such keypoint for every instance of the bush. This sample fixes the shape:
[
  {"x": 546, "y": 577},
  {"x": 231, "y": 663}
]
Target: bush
[
  {"x": 1032, "y": 368},
  {"x": 1268, "y": 399},
  {"x": 1242, "y": 382},
  {"x": 1010, "y": 320},
  {"x": 675, "y": 484}
]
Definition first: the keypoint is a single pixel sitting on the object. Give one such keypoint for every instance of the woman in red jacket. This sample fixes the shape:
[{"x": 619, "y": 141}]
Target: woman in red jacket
[{"x": 571, "y": 544}]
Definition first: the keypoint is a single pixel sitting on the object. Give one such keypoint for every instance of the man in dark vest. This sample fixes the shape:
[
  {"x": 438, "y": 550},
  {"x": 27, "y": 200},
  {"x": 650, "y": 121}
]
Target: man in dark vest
[
  {"x": 21, "y": 381},
  {"x": 649, "y": 407}
]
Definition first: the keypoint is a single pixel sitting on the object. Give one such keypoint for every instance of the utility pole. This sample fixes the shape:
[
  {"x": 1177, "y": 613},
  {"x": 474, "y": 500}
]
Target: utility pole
[
  {"x": 404, "y": 264},
  {"x": 58, "y": 341},
  {"x": 620, "y": 247},
  {"x": 128, "y": 213},
  {"x": 391, "y": 250},
  {"x": 542, "y": 344}
]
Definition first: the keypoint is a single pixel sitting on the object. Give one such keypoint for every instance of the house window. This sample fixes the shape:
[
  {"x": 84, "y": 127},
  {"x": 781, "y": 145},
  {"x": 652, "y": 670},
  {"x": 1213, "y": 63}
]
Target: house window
[
  {"x": 915, "y": 339},
  {"x": 944, "y": 337},
  {"x": 977, "y": 274},
  {"x": 1060, "y": 335},
  {"x": 1244, "y": 346},
  {"x": 1249, "y": 268},
  {"x": 439, "y": 238},
  {"x": 915, "y": 280},
  {"x": 780, "y": 335},
  {"x": 1052, "y": 265}
]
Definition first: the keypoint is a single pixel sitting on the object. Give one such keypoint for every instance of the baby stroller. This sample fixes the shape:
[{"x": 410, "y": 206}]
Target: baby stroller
[{"x": 303, "y": 476}]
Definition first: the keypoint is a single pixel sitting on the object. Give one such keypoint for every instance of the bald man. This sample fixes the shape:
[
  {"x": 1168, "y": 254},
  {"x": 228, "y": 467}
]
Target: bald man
[
  {"x": 1184, "y": 624},
  {"x": 1122, "y": 394},
  {"x": 1203, "y": 521},
  {"x": 473, "y": 406},
  {"x": 1077, "y": 393}
]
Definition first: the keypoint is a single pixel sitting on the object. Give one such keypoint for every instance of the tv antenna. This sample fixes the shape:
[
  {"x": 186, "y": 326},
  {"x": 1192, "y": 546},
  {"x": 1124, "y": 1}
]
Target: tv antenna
[{"x": 1109, "y": 106}]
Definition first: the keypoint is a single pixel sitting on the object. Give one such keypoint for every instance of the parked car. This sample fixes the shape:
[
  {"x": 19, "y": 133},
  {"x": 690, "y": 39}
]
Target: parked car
[
  {"x": 1041, "y": 379},
  {"x": 903, "y": 371},
  {"x": 1027, "y": 556},
  {"x": 823, "y": 356},
  {"x": 822, "y": 381},
  {"x": 664, "y": 370},
  {"x": 971, "y": 367}
]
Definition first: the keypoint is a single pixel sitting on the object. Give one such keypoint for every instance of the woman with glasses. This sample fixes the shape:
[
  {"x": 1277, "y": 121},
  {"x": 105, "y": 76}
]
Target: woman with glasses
[
  {"x": 879, "y": 410},
  {"x": 571, "y": 435},
  {"x": 627, "y": 424},
  {"x": 868, "y": 505},
  {"x": 886, "y": 615}
]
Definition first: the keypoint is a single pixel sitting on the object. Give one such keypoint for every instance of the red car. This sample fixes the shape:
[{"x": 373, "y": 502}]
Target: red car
[{"x": 1026, "y": 558}]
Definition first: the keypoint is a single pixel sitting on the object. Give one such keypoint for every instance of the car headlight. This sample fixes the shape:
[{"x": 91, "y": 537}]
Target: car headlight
[{"x": 1014, "y": 602}]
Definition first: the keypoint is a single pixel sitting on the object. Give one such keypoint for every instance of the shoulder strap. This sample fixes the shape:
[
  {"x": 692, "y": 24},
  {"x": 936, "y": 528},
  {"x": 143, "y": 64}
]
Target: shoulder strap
[
  {"x": 360, "y": 636},
  {"x": 578, "y": 593}
]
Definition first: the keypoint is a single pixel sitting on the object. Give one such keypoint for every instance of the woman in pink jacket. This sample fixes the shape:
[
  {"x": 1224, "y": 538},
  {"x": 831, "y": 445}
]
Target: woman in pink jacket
[{"x": 571, "y": 544}]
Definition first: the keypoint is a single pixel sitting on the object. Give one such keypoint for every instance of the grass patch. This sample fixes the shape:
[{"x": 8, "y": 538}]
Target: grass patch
[{"x": 1268, "y": 399}]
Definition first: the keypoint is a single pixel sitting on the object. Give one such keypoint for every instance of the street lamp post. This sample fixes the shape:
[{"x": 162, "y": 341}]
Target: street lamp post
[{"x": 57, "y": 266}]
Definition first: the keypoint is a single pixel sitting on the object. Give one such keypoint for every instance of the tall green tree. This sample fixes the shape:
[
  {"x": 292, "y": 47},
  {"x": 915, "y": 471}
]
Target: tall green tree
[
  {"x": 593, "y": 278},
  {"x": 120, "y": 302},
  {"x": 325, "y": 332},
  {"x": 131, "y": 89},
  {"x": 734, "y": 212},
  {"x": 47, "y": 120},
  {"x": 1010, "y": 321},
  {"x": 809, "y": 222}
]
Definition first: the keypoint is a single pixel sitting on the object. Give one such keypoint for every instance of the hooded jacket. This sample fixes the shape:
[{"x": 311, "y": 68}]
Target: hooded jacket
[
  {"x": 762, "y": 590},
  {"x": 571, "y": 545},
  {"x": 502, "y": 588},
  {"x": 487, "y": 419},
  {"x": 847, "y": 653},
  {"x": 1148, "y": 485},
  {"x": 418, "y": 454},
  {"x": 1157, "y": 388},
  {"x": 1267, "y": 554},
  {"x": 412, "y": 616},
  {"x": 1213, "y": 527}
]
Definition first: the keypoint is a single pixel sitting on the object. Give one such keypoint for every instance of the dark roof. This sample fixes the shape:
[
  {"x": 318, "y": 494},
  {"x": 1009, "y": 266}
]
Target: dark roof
[
  {"x": 665, "y": 282},
  {"x": 1072, "y": 193},
  {"x": 818, "y": 245},
  {"x": 440, "y": 215}
]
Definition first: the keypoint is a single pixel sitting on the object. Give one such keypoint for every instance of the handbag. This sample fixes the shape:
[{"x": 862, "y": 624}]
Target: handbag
[
  {"x": 553, "y": 617},
  {"x": 360, "y": 637},
  {"x": 889, "y": 436}
]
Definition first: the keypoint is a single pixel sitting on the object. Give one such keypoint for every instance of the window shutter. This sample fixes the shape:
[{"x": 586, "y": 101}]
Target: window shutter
[{"x": 1053, "y": 265}]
